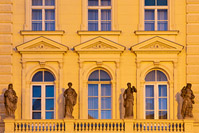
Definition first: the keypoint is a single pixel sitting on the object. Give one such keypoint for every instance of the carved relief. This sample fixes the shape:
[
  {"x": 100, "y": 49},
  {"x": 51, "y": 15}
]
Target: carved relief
[
  {"x": 99, "y": 45},
  {"x": 42, "y": 45},
  {"x": 157, "y": 45}
]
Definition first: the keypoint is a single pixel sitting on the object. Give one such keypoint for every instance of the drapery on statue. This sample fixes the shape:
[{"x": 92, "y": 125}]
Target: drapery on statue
[
  {"x": 10, "y": 101},
  {"x": 188, "y": 101},
  {"x": 70, "y": 101},
  {"x": 128, "y": 101}
]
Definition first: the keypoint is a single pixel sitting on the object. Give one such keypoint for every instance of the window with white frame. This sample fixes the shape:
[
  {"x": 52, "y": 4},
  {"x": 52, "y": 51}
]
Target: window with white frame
[
  {"x": 156, "y": 95},
  {"x": 99, "y": 15},
  {"x": 43, "y": 95},
  {"x": 99, "y": 95},
  {"x": 43, "y": 15},
  {"x": 156, "y": 15}
]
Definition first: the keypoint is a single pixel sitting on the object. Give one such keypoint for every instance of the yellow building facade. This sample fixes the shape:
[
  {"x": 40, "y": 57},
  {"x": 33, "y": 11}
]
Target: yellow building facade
[{"x": 99, "y": 44}]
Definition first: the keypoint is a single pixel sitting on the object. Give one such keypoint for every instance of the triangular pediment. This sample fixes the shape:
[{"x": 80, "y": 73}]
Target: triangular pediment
[
  {"x": 99, "y": 44},
  {"x": 157, "y": 44},
  {"x": 42, "y": 44}
]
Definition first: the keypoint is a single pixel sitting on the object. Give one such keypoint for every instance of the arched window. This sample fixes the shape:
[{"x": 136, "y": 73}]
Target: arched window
[
  {"x": 99, "y": 95},
  {"x": 156, "y": 95},
  {"x": 43, "y": 95}
]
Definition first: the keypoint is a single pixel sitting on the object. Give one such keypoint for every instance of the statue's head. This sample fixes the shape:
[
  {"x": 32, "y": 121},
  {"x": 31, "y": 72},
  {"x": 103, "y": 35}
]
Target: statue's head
[
  {"x": 129, "y": 85},
  {"x": 10, "y": 86},
  {"x": 69, "y": 84},
  {"x": 189, "y": 85}
]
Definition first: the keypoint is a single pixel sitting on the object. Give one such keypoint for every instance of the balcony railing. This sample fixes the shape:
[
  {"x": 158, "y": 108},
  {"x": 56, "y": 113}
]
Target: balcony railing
[{"x": 91, "y": 125}]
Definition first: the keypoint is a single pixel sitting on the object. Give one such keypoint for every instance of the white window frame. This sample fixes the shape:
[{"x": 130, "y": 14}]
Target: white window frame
[{"x": 99, "y": 83}]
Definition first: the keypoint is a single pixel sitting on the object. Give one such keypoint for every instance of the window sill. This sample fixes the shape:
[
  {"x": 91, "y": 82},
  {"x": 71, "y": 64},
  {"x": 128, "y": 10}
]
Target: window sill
[
  {"x": 25, "y": 32},
  {"x": 170, "y": 32},
  {"x": 99, "y": 32}
]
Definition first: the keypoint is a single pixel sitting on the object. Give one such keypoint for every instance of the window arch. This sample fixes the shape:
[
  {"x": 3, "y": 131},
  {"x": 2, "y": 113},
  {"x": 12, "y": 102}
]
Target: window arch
[
  {"x": 99, "y": 95},
  {"x": 156, "y": 95},
  {"x": 43, "y": 95}
]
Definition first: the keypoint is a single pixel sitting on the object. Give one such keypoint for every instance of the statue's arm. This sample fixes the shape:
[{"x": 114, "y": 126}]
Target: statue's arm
[
  {"x": 135, "y": 90},
  {"x": 124, "y": 94}
]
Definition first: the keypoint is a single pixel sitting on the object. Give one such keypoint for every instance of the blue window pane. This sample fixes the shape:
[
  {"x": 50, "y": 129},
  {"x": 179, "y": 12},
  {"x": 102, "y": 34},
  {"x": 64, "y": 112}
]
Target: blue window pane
[
  {"x": 92, "y": 103},
  {"x": 37, "y": 25},
  {"x": 162, "y": 114},
  {"x": 36, "y": 91},
  {"x": 162, "y": 14},
  {"x": 92, "y": 2},
  {"x": 104, "y": 76},
  {"x": 162, "y": 90},
  {"x": 92, "y": 90},
  {"x": 106, "y": 89},
  {"x": 162, "y": 2},
  {"x": 149, "y": 25},
  {"x": 163, "y": 103},
  {"x": 106, "y": 114},
  {"x": 106, "y": 14},
  {"x": 106, "y": 26},
  {"x": 50, "y": 26},
  {"x": 106, "y": 103},
  {"x": 150, "y": 76},
  {"x": 49, "y": 104},
  {"x": 149, "y": 2},
  {"x": 161, "y": 76},
  {"x": 92, "y": 25},
  {"x": 106, "y": 2},
  {"x": 94, "y": 76},
  {"x": 149, "y": 114},
  {"x": 49, "y": 14},
  {"x": 36, "y": 104},
  {"x": 149, "y": 15},
  {"x": 149, "y": 103},
  {"x": 93, "y": 114},
  {"x": 48, "y": 76},
  {"x": 37, "y": 2},
  {"x": 49, "y": 115},
  {"x": 149, "y": 91},
  {"x": 36, "y": 115},
  {"x": 38, "y": 77},
  {"x": 92, "y": 14},
  {"x": 49, "y": 90},
  {"x": 49, "y": 2},
  {"x": 162, "y": 26},
  {"x": 36, "y": 14}
]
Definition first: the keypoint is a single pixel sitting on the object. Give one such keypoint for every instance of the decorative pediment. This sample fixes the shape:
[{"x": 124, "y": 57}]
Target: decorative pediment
[
  {"x": 42, "y": 44},
  {"x": 99, "y": 44},
  {"x": 157, "y": 44}
]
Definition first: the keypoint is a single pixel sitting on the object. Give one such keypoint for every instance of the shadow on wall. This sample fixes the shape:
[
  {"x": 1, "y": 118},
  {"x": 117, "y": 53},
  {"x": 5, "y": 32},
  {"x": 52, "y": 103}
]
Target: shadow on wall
[
  {"x": 61, "y": 106},
  {"x": 179, "y": 101},
  {"x": 3, "y": 110},
  {"x": 121, "y": 106}
]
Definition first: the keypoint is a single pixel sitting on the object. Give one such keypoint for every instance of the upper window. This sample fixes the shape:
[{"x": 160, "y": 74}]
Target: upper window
[
  {"x": 99, "y": 95},
  {"x": 43, "y": 95},
  {"x": 156, "y": 15},
  {"x": 99, "y": 15},
  {"x": 43, "y": 15}
]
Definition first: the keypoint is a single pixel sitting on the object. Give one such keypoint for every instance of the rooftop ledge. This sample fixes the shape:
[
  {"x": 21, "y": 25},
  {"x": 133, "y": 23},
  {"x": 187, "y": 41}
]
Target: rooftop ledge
[
  {"x": 118, "y": 32},
  {"x": 29, "y": 32},
  {"x": 169, "y": 32}
]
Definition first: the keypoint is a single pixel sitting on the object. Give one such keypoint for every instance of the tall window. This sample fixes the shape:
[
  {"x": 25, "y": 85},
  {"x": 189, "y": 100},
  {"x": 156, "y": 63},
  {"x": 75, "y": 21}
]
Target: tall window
[
  {"x": 43, "y": 95},
  {"x": 156, "y": 95},
  {"x": 99, "y": 95},
  {"x": 156, "y": 15},
  {"x": 99, "y": 15},
  {"x": 43, "y": 15}
]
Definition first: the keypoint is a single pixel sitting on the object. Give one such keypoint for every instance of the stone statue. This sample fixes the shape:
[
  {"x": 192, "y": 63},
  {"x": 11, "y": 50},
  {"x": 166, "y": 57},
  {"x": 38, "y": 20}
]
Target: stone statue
[
  {"x": 70, "y": 101},
  {"x": 128, "y": 101},
  {"x": 188, "y": 101},
  {"x": 10, "y": 101}
]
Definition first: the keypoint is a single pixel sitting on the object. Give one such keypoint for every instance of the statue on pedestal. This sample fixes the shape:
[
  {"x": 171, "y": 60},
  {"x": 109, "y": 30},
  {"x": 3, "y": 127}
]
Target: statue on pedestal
[
  {"x": 188, "y": 101},
  {"x": 128, "y": 101},
  {"x": 70, "y": 101},
  {"x": 10, "y": 101}
]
